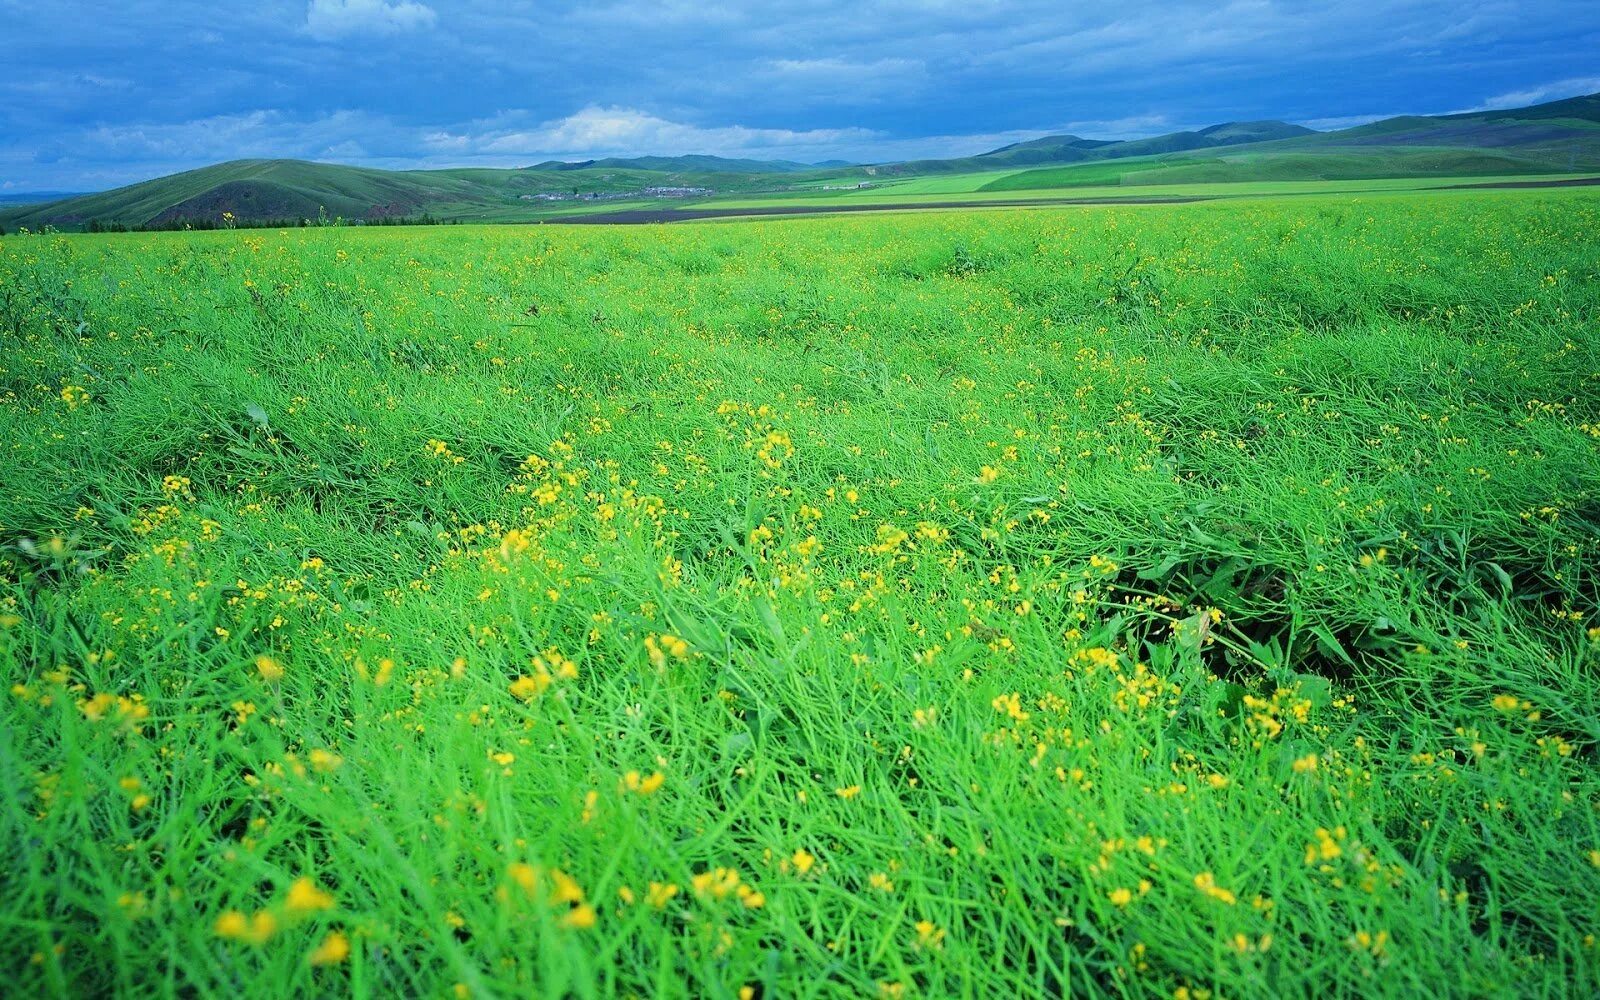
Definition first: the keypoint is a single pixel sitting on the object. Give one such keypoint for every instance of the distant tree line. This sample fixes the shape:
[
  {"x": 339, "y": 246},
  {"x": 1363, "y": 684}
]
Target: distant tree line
[{"x": 409, "y": 220}]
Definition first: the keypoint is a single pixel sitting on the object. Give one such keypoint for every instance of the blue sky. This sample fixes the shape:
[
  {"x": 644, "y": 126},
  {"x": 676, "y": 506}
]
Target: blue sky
[{"x": 96, "y": 94}]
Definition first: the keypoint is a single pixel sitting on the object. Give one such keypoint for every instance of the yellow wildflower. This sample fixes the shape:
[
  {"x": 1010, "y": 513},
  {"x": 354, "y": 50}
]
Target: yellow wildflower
[
  {"x": 567, "y": 889},
  {"x": 525, "y": 875},
  {"x": 335, "y": 948},
  {"x": 632, "y": 782},
  {"x": 230, "y": 925},
  {"x": 527, "y": 688},
  {"x": 580, "y": 917},
  {"x": 305, "y": 896},
  {"x": 930, "y": 936},
  {"x": 1207, "y": 883},
  {"x": 271, "y": 670}
]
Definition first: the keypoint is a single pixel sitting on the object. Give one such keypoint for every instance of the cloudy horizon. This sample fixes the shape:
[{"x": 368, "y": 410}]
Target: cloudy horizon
[{"x": 162, "y": 87}]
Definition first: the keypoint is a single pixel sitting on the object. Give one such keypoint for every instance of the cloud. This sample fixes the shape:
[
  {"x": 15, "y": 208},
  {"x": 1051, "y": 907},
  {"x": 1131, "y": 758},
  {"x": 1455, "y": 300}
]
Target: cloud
[
  {"x": 834, "y": 80},
  {"x": 258, "y": 134},
  {"x": 1577, "y": 86},
  {"x": 598, "y": 131},
  {"x": 1346, "y": 121},
  {"x": 1574, "y": 87},
  {"x": 177, "y": 84},
  {"x": 330, "y": 19},
  {"x": 833, "y": 68},
  {"x": 1130, "y": 127}
]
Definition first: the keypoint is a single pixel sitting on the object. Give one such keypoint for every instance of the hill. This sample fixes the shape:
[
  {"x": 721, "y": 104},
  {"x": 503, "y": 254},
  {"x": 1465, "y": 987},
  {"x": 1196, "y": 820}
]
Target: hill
[
  {"x": 1060, "y": 149},
  {"x": 295, "y": 189},
  {"x": 1556, "y": 137},
  {"x": 691, "y": 163},
  {"x": 35, "y": 197}
]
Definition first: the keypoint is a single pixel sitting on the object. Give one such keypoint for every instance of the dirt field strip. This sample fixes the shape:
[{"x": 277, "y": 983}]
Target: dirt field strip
[{"x": 647, "y": 216}]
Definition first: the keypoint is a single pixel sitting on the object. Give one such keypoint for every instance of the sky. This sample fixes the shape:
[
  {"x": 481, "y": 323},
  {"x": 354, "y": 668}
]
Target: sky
[{"x": 98, "y": 94}]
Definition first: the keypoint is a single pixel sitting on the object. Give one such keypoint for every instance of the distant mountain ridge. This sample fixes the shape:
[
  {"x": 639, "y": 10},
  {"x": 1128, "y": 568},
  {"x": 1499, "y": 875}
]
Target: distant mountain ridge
[
  {"x": 1072, "y": 148},
  {"x": 1554, "y": 137},
  {"x": 35, "y": 197},
  {"x": 693, "y": 162}
]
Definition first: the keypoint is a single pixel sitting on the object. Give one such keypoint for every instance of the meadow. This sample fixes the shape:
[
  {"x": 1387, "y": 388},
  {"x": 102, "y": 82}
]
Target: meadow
[{"x": 1173, "y": 601}]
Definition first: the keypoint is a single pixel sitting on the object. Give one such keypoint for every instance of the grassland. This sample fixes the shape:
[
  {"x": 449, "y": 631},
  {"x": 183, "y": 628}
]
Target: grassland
[
  {"x": 1266, "y": 166},
  {"x": 297, "y": 190},
  {"x": 970, "y": 188},
  {"x": 1546, "y": 140},
  {"x": 1169, "y": 601}
]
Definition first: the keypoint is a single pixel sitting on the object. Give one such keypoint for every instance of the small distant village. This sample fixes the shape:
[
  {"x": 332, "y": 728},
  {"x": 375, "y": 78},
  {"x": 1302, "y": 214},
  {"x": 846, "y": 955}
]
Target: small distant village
[
  {"x": 656, "y": 192},
  {"x": 649, "y": 192}
]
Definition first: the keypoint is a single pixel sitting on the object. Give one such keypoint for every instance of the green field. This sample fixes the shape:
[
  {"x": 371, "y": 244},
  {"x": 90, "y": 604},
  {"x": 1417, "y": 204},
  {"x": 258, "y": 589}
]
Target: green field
[
  {"x": 1346, "y": 164},
  {"x": 1546, "y": 141},
  {"x": 1179, "y": 601},
  {"x": 962, "y": 189}
]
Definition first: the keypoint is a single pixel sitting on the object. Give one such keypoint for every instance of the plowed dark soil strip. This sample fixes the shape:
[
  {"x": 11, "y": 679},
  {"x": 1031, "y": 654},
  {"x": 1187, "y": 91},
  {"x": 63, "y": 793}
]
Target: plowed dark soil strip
[
  {"x": 638, "y": 216},
  {"x": 643, "y": 216},
  {"x": 1569, "y": 182}
]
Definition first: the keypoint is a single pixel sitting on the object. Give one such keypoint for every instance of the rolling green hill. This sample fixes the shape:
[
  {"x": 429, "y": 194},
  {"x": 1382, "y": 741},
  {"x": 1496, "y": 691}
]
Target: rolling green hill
[
  {"x": 1330, "y": 164},
  {"x": 1560, "y": 137},
  {"x": 1059, "y": 149},
  {"x": 679, "y": 164},
  {"x": 35, "y": 197},
  {"x": 295, "y": 189},
  {"x": 1557, "y": 137}
]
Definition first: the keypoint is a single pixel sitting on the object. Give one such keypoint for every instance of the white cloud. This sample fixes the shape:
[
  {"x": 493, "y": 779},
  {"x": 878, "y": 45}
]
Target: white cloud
[
  {"x": 615, "y": 131},
  {"x": 263, "y": 134},
  {"x": 597, "y": 132},
  {"x": 1559, "y": 89},
  {"x": 1573, "y": 87},
  {"x": 330, "y": 19},
  {"x": 833, "y": 80},
  {"x": 106, "y": 155},
  {"x": 1346, "y": 121},
  {"x": 1131, "y": 127},
  {"x": 834, "y": 68}
]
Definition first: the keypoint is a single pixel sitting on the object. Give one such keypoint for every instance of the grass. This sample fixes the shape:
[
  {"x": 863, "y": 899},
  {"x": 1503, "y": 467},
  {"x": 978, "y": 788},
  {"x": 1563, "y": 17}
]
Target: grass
[
  {"x": 294, "y": 189},
  {"x": 962, "y": 188},
  {"x": 1544, "y": 140},
  {"x": 964, "y": 183},
  {"x": 1122, "y": 602},
  {"x": 1420, "y": 167}
]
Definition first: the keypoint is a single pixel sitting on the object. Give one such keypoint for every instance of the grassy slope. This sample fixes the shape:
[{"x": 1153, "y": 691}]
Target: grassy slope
[
  {"x": 1071, "y": 148},
  {"x": 292, "y": 189},
  {"x": 1559, "y": 137},
  {"x": 897, "y": 488},
  {"x": 1445, "y": 153},
  {"x": 895, "y": 194}
]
